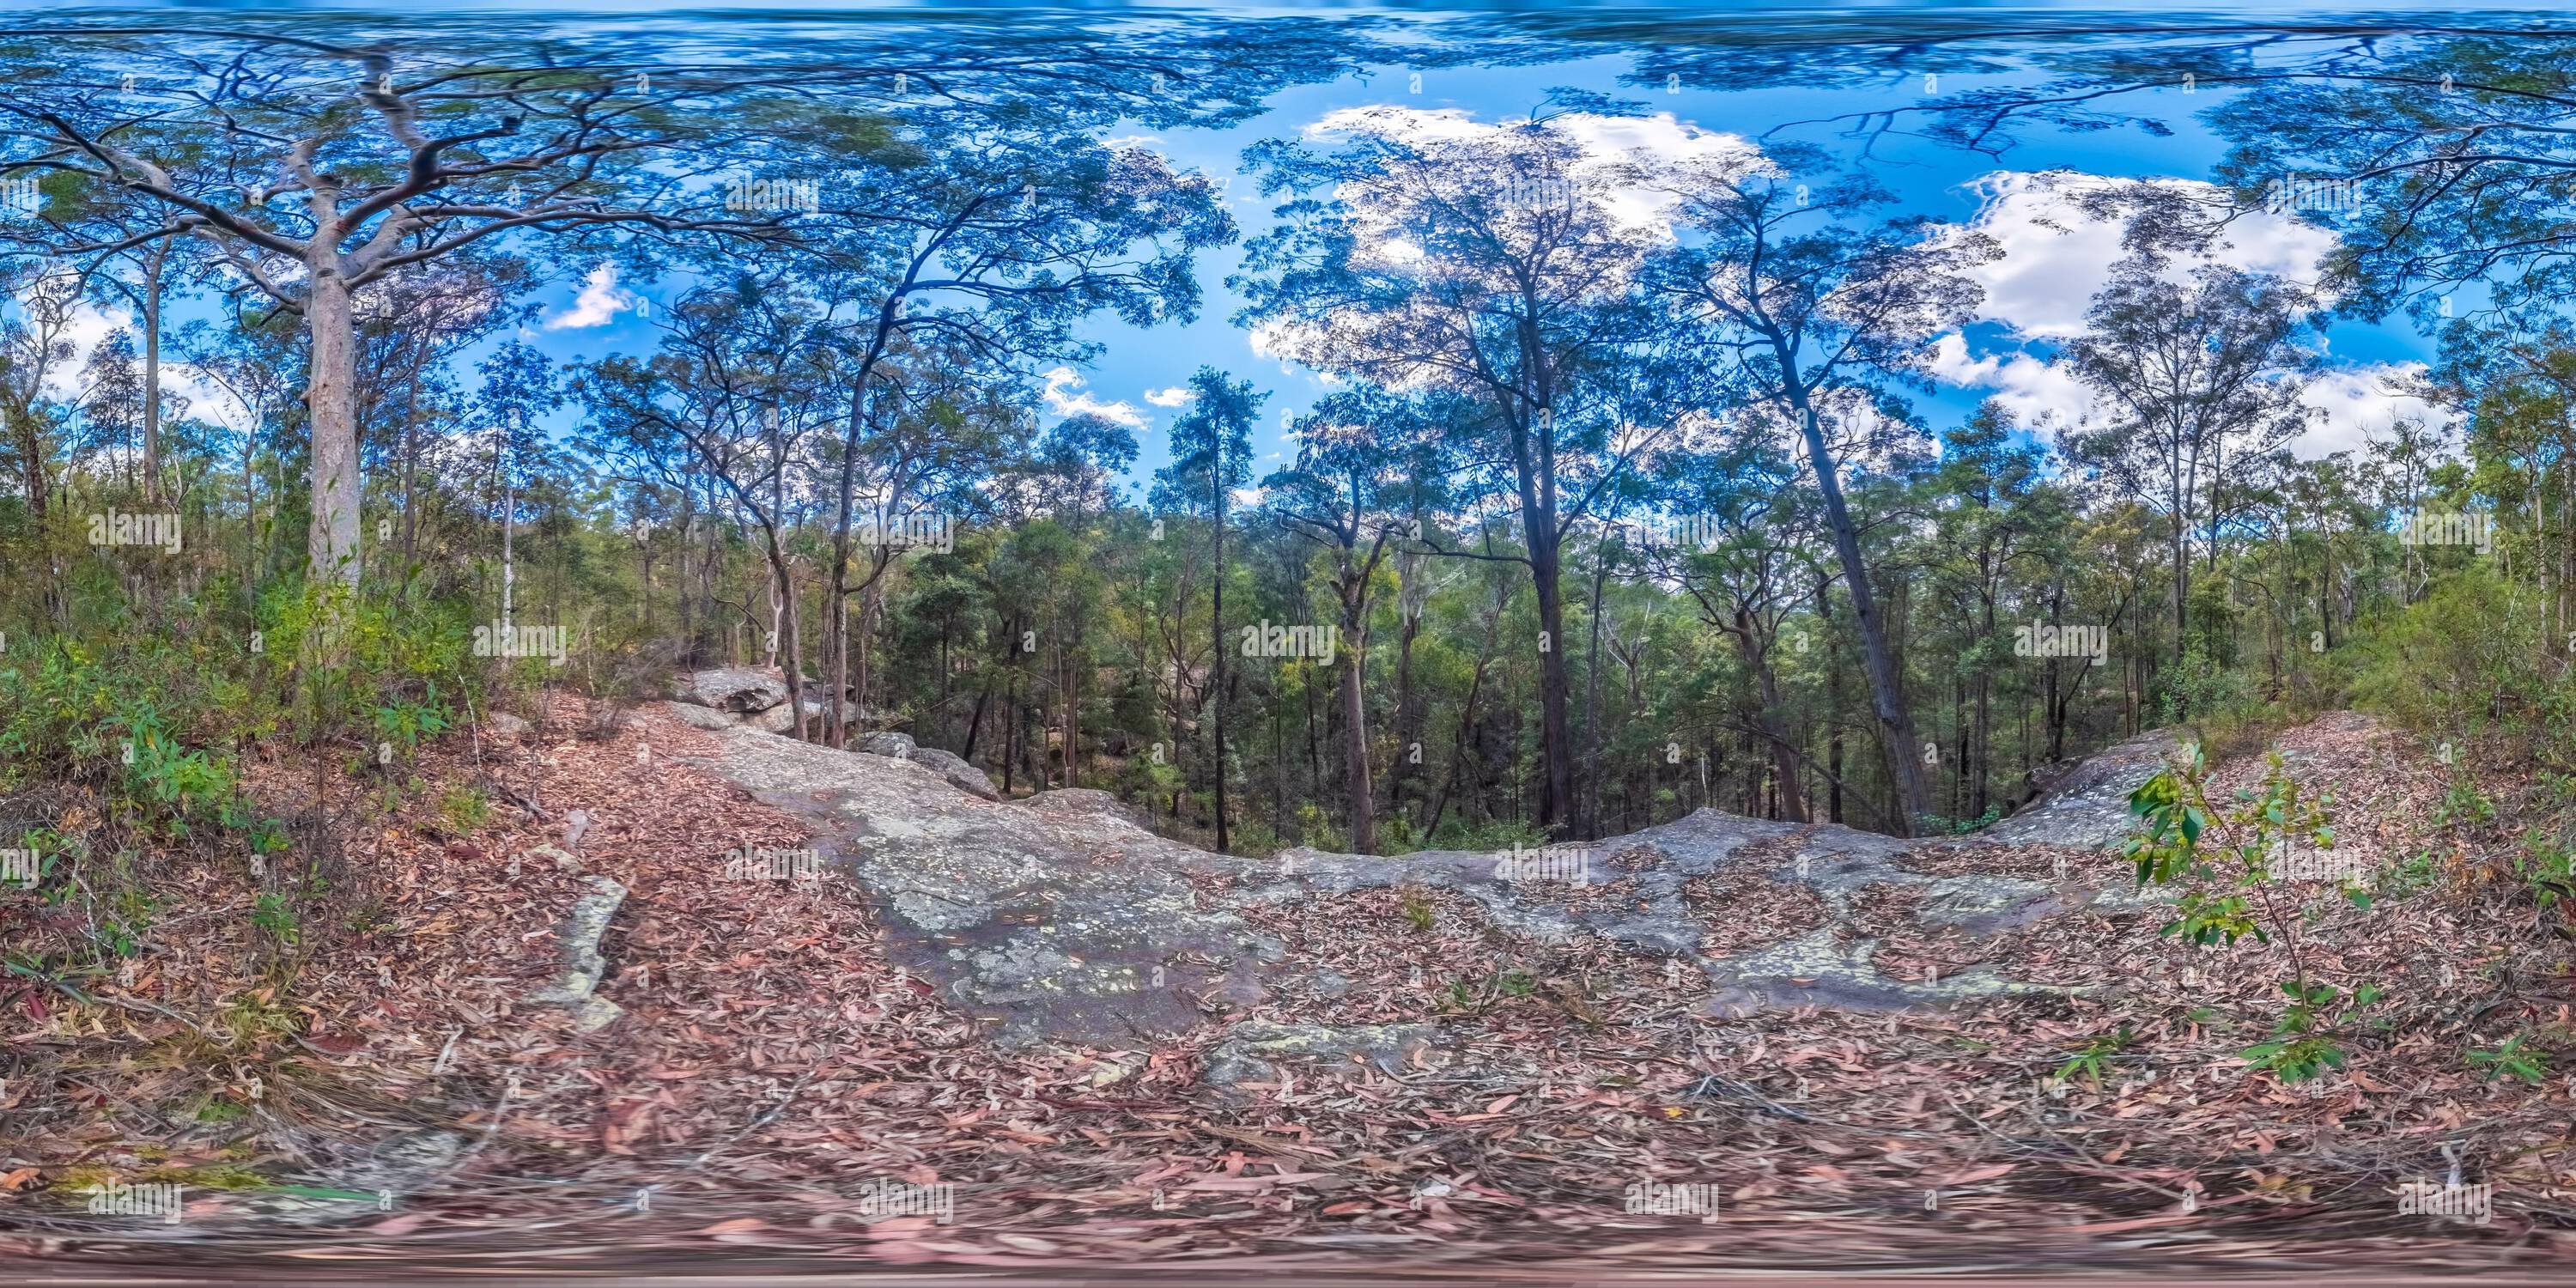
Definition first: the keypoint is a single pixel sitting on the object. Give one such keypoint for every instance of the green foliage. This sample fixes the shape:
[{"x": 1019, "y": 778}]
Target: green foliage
[
  {"x": 1417, "y": 910},
  {"x": 275, "y": 916},
  {"x": 2407, "y": 876},
  {"x": 2303, "y": 1044},
  {"x": 2206, "y": 691},
  {"x": 2463, "y": 804},
  {"x": 2225, "y": 855},
  {"x": 2512, "y": 1058},
  {"x": 405, "y": 723},
  {"x": 2451, "y": 659},
  {"x": 2093, "y": 1059},
  {"x": 465, "y": 808},
  {"x": 1963, "y": 826}
]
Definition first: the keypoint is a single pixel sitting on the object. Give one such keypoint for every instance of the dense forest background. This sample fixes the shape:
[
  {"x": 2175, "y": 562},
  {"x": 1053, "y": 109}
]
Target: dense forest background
[{"x": 1613, "y": 515}]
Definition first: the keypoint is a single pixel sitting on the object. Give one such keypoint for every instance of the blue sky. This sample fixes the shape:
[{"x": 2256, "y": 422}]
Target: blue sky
[{"x": 2046, "y": 279}]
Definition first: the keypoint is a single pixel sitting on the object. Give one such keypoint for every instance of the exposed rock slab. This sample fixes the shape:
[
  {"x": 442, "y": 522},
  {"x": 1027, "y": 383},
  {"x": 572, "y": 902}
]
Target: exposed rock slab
[
  {"x": 583, "y": 965},
  {"x": 698, "y": 717},
  {"x": 1062, "y": 919},
  {"x": 740, "y": 690},
  {"x": 1257, "y": 1050},
  {"x": 1044, "y": 928},
  {"x": 2087, "y": 803}
]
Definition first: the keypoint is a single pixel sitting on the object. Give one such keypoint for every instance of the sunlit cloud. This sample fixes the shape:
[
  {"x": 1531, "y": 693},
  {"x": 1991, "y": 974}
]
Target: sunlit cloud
[
  {"x": 1065, "y": 395},
  {"x": 598, "y": 304}
]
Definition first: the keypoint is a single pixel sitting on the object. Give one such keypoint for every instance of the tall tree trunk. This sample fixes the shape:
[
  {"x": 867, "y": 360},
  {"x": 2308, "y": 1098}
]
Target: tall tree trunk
[
  {"x": 1216, "y": 623},
  {"x": 1410, "y": 596},
  {"x": 1887, "y": 694},
  {"x": 2181, "y": 557},
  {"x": 332, "y": 544},
  {"x": 32, "y": 470},
  {"x": 1833, "y": 703},
  {"x": 1784, "y": 752},
  {"x": 1592, "y": 700},
  {"x": 152, "y": 265},
  {"x": 509, "y": 526},
  {"x": 1355, "y": 743},
  {"x": 1556, "y": 743}
]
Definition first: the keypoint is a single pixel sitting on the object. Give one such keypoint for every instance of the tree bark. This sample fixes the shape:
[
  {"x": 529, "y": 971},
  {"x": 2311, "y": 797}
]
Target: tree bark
[
  {"x": 332, "y": 546},
  {"x": 1216, "y": 624},
  {"x": 152, "y": 370},
  {"x": 1355, "y": 749},
  {"x": 1887, "y": 695}
]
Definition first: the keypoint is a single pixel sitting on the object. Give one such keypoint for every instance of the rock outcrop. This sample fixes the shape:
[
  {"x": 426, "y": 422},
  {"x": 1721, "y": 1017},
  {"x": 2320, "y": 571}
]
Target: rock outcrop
[
  {"x": 1062, "y": 919},
  {"x": 583, "y": 965},
  {"x": 2087, "y": 803},
  {"x": 740, "y": 690}
]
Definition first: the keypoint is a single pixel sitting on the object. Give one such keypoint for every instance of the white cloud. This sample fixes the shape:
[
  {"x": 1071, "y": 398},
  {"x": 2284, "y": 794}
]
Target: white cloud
[
  {"x": 2057, "y": 256},
  {"x": 2347, "y": 405},
  {"x": 2360, "y": 402},
  {"x": 2037, "y": 393},
  {"x": 1176, "y": 396},
  {"x": 1065, "y": 394},
  {"x": 598, "y": 304},
  {"x": 1631, "y": 168}
]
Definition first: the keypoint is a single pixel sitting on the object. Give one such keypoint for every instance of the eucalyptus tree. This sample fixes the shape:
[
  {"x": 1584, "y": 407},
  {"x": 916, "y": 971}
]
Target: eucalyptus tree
[
  {"x": 2189, "y": 374},
  {"x": 1820, "y": 317},
  {"x": 1361, "y": 472},
  {"x": 250, "y": 364},
  {"x": 994, "y": 245},
  {"x": 316, "y": 160},
  {"x": 734, "y": 387},
  {"x": 145, "y": 257},
  {"x": 1495, "y": 263},
  {"x": 317, "y": 165},
  {"x": 1997, "y": 528},
  {"x": 413, "y": 328},
  {"x": 1736, "y": 539},
  {"x": 35, "y": 349},
  {"x": 1211, "y": 458},
  {"x": 519, "y": 388}
]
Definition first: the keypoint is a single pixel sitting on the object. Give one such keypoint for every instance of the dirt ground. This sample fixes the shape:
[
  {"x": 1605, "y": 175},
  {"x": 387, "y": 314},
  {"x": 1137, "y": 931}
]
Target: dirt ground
[{"x": 772, "y": 1080}]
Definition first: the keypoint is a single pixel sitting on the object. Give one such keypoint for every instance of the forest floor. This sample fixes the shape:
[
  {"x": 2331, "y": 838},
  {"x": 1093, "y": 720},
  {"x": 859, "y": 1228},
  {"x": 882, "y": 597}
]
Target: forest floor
[{"x": 782, "y": 1076}]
